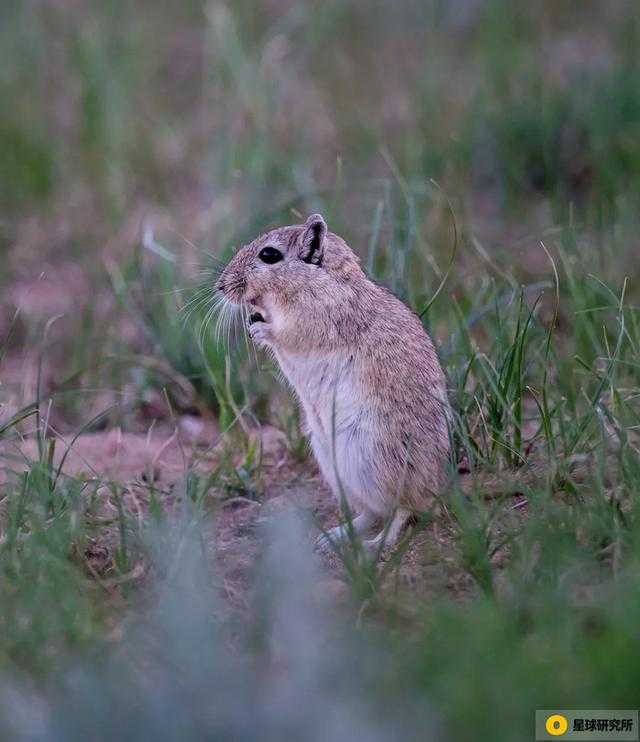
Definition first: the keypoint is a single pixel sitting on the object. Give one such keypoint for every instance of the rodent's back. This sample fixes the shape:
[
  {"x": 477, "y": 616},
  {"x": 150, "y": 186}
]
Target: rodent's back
[{"x": 404, "y": 381}]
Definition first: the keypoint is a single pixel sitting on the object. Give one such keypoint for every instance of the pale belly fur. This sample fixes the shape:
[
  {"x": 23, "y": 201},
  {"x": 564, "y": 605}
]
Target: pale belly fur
[{"x": 339, "y": 424}]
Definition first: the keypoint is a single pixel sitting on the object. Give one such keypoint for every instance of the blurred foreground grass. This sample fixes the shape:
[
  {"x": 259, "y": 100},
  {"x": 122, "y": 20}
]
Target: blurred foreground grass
[{"x": 139, "y": 143}]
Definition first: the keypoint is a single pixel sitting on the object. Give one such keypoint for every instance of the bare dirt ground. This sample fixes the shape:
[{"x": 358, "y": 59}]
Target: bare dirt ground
[{"x": 130, "y": 469}]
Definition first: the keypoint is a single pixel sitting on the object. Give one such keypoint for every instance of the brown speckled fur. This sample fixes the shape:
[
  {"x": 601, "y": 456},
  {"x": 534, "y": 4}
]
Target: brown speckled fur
[{"x": 362, "y": 365}]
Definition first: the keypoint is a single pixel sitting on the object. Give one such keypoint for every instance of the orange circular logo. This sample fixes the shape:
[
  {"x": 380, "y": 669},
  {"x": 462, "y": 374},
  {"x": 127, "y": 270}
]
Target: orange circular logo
[{"x": 556, "y": 725}]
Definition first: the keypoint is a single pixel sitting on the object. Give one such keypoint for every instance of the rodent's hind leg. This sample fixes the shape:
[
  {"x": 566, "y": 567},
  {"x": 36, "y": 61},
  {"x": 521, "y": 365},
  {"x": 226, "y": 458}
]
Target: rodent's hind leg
[
  {"x": 360, "y": 524},
  {"x": 390, "y": 535}
]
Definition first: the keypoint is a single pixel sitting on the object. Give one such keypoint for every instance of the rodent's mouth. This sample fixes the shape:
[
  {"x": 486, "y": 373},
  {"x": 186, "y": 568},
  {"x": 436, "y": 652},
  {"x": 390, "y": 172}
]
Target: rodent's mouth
[{"x": 257, "y": 314}]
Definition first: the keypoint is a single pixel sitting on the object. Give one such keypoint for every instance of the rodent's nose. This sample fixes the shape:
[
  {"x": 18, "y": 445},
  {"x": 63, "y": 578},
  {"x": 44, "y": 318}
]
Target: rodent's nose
[{"x": 220, "y": 285}]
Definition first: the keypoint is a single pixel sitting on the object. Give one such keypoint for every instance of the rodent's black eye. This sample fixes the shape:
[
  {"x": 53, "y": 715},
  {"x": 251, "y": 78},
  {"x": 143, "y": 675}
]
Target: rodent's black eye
[{"x": 270, "y": 255}]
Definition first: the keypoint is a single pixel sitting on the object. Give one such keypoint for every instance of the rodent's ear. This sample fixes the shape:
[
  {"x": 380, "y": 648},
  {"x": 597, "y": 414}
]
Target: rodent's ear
[{"x": 313, "y": 239}]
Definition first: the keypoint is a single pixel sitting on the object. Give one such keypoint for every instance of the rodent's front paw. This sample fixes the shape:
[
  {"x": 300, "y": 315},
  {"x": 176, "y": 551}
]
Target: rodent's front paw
[{"x": 260, "y": 333}]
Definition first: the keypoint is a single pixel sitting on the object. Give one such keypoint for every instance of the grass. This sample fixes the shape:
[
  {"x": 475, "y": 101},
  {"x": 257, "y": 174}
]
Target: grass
[{"x": 483, "y": 162}]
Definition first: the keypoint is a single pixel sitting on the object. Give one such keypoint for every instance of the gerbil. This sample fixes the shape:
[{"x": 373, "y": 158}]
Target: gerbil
[{"x": 363, "y": 367}]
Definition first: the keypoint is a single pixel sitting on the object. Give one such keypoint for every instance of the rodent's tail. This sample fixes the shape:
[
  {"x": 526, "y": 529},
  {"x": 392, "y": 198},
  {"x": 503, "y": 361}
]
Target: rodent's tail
[{"x": 515, "y": 481}]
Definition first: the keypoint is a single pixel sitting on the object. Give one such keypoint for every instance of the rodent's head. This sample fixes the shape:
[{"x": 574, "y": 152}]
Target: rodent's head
[{"x": 287, "y": 264}]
